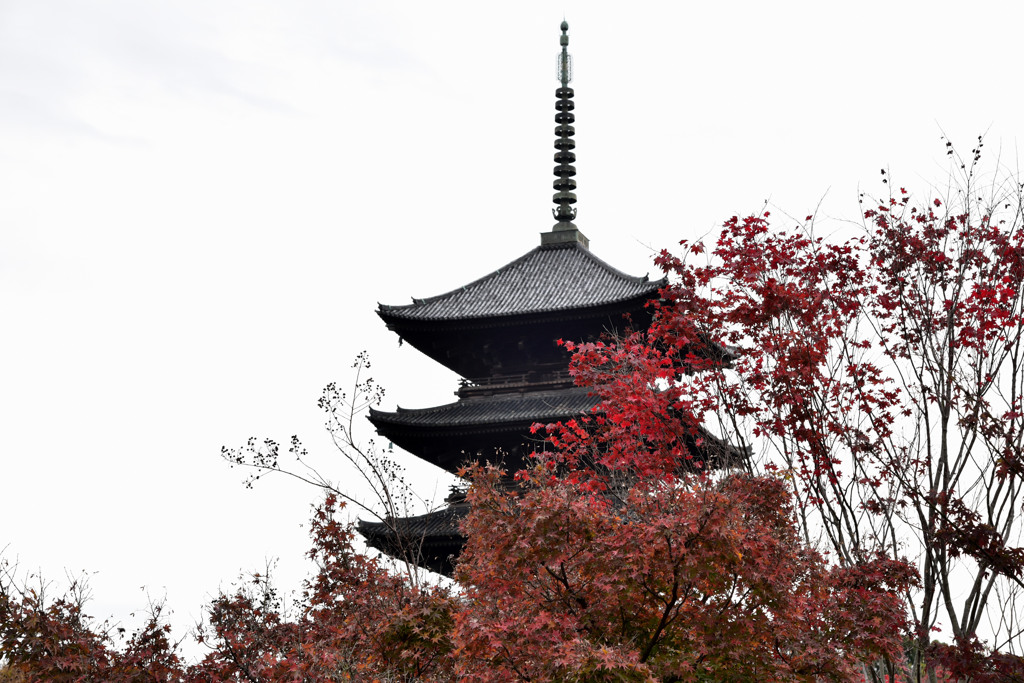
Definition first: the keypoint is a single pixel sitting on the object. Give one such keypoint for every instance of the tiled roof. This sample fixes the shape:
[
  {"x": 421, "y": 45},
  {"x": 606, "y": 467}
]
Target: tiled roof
[
  {"x": 432, "y": 540},
  {"x": 441, "y": 524},
  {"x": 538, "y": 406},
  {"x": 547, "y": 279}
]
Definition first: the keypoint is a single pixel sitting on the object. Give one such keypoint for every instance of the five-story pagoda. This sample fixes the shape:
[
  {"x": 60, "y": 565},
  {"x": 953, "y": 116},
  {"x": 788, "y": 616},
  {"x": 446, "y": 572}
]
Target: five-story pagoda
[{"x": 498, "y": 333}]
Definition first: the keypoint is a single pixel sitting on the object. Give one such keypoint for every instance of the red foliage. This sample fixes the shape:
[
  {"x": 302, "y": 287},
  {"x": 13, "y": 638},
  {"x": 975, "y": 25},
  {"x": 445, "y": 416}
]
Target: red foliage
[
  {"x": 969, "y": 660},
  {"x": 56, "y": 641},
  {"x": 662, "y": 581},
  {"x": 882, "y": 377},
  {"x": 357, "y": 621}
]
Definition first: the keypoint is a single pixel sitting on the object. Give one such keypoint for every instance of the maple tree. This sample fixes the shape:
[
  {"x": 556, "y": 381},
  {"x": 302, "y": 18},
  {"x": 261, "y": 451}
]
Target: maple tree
[
  {"x": 664, "y": 580},
  {"x": 356, "y": 621},
  {"x": 54, "y": 640},
  {"x": 881, "y": 376}
]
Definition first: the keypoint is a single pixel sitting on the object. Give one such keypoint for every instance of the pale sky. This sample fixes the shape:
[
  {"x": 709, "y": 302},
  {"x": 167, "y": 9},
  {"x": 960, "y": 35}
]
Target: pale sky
[{"x": 202, "y": 203}]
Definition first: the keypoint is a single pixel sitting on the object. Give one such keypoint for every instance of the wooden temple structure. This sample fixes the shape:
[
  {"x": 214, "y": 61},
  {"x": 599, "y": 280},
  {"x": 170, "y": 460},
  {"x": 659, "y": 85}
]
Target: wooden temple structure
[{"x": 498, "y": 333}]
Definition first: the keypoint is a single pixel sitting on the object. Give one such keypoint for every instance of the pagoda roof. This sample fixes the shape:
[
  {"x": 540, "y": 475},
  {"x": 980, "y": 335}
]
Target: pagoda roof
[
  {"x": 548, "y": 279},
  {"x": 432, "y": 540},
  {"x": 539, "y": 406}
]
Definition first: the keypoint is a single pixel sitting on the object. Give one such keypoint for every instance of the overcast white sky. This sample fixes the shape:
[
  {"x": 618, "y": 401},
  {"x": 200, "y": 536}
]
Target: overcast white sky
[{"x": 203, "y": 202}]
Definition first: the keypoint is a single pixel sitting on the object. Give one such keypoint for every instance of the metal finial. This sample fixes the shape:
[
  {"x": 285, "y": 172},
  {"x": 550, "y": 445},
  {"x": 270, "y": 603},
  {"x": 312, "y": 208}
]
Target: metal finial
[
  {"x": 564, "y": 184},
  {"x": 564, "y": 232},
  {"x": 564, "y": 66}
]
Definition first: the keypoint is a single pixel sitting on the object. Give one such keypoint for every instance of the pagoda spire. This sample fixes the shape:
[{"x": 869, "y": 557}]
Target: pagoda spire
[{"x": 564, "y": 231}]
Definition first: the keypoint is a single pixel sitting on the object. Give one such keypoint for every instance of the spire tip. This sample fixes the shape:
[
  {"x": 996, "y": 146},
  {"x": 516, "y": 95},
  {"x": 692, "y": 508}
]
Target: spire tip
[{"x": 564, "y": 231}]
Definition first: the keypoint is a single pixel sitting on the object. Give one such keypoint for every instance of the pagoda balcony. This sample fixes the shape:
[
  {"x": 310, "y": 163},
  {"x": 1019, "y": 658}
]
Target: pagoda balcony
[{"x": 519, "y": 382}]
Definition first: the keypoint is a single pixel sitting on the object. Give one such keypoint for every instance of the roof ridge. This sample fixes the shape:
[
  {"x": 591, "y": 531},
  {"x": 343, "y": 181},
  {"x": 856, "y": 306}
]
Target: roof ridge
[
  {"x": 637, "y": 279},
  {"x": 547, "y": 278}
]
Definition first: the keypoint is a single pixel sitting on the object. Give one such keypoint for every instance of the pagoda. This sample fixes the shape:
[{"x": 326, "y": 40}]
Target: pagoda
[{"x": 499, "y": 334}]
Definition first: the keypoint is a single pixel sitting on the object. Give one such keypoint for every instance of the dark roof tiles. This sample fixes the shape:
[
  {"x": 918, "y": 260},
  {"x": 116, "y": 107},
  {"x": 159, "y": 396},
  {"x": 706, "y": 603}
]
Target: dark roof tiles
[
  {"x": 432, "y": 541},
  {"x": 539, "y": 406},
  {"x": 546, "y": 279},
  {"x": 442, "y": 524}
]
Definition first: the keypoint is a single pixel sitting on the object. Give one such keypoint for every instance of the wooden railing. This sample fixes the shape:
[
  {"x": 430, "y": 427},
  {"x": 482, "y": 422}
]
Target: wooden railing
[{"x": 499, "y": 384}]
